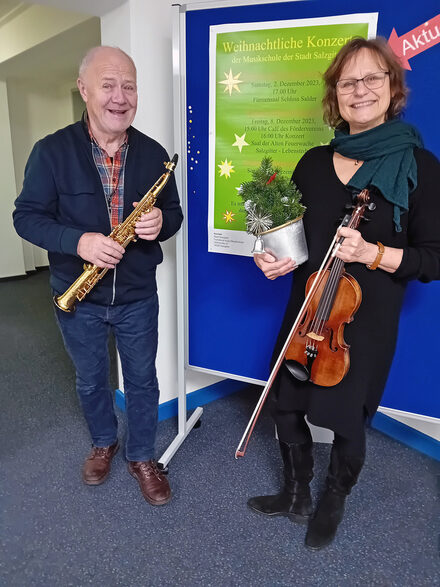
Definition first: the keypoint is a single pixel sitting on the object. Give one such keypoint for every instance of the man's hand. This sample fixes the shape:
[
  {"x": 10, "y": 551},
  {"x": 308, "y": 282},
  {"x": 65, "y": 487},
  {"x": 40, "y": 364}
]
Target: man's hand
[
  {"x": 273, "y": 268},
  {"x": 149, "y": 225},
  {"x": 99, "y": 250}
]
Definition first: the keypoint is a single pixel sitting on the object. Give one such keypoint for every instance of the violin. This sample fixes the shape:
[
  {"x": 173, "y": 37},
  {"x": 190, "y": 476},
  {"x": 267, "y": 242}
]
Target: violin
[{"x": 315, "y": 349}]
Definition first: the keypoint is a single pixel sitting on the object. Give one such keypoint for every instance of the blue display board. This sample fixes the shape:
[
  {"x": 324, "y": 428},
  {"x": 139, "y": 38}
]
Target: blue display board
[{"x": 234, "y": 312}]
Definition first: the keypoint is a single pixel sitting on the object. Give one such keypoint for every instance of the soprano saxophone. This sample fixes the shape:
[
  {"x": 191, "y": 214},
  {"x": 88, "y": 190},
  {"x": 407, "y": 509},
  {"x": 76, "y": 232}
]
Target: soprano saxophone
[{"x": 123, "y": 234}]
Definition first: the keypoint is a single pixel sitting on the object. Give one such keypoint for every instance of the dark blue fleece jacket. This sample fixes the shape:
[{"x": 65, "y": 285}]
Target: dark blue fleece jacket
[{"x": 63, "y": 197}]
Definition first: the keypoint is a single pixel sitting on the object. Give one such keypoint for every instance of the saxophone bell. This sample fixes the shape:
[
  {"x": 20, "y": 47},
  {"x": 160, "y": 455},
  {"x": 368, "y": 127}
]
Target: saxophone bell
[
  {"x": 65, "y": 303},
  {"x": 79, "y": 288}
]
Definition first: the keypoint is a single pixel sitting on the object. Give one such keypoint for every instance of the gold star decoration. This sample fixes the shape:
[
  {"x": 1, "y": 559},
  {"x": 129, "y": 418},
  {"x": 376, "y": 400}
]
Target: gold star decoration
[
  {"x": 226, "y": 168},
  {"x": 231, "y": 82},
  {"x": 240, "y": 142},
  {"x": 228, "y": 216}
]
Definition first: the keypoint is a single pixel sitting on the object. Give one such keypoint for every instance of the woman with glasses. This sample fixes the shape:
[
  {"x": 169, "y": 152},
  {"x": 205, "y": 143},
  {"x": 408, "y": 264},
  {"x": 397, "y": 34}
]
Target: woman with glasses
[{"x": 364, "y": 97}]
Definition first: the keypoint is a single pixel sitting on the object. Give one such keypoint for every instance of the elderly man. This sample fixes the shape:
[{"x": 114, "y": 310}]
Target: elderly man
[{"x": 79, "y": 183}]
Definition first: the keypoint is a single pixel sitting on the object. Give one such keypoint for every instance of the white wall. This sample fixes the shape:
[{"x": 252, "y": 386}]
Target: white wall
[
  {"x": 35, "y": 110},
  {"x": 143, "y": 28},
  {"x": 11, "y": 259},
  {"x": 116, "y": 28},
  {"x": 36, "y": 43},
  {"x": 32, "y": 26}
]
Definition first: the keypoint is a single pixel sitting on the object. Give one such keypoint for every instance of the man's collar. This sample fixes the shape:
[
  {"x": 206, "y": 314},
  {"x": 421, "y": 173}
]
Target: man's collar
[{"x": 88, "y": 130}]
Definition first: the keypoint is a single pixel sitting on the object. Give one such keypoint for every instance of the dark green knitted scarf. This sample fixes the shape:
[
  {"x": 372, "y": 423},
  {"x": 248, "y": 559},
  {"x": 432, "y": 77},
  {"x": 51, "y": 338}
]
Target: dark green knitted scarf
[{"x": 389, "y": 164}]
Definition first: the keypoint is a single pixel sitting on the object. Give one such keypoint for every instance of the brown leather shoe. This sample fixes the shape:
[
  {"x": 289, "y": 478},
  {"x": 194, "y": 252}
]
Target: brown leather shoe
[
  {"x": 97, "y": 465},
  {"x": 154, "y": 485}
]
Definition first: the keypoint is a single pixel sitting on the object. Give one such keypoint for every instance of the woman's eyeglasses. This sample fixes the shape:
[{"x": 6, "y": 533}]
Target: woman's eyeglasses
[{"x": 372, "y": 81}]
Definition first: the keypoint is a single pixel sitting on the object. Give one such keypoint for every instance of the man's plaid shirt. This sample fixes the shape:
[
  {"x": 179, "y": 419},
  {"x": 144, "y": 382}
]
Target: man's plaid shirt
[{"x": 111, "y": 170}]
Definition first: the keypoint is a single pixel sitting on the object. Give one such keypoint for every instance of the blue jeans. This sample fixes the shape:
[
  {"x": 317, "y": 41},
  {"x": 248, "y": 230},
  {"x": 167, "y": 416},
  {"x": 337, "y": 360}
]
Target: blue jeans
[{"x": 85, "y": 333}]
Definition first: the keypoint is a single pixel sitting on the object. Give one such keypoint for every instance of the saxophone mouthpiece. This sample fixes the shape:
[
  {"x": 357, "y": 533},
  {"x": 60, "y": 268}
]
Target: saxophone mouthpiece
[{"x": 172, "y": 164}]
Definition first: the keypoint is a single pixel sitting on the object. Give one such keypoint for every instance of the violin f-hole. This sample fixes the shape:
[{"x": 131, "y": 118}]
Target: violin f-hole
[{"x": 330, "y": 342}]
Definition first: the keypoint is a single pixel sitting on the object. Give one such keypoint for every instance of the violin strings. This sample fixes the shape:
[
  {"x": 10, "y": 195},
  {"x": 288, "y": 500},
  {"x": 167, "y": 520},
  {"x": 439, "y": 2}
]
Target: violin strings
[
  {"x": 329, "y": 295},
  {"x": 326, "y": 302},
  {"x": 328, "y": 291},
  {"x": 318, "y": 323},
  {"x": 329, "y": 299}
]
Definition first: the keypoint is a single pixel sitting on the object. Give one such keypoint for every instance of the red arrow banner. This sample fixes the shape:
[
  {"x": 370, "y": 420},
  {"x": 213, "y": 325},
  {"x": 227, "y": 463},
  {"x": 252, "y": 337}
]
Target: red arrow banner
[{"x": 419, "y": 39}]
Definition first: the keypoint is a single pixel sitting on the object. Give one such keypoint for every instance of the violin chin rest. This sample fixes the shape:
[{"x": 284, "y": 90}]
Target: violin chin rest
[{"x": 299, "y": 371}]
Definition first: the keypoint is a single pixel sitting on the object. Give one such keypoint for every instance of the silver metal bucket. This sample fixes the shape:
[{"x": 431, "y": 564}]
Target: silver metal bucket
[{"x": 287, "y": 240}]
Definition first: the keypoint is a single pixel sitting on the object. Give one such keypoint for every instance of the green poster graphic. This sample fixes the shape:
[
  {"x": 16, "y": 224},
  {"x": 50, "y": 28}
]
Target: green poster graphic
[{"x": 266, "y": 100}]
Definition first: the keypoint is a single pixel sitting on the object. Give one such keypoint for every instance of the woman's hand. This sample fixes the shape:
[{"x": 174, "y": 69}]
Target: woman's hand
[
  {"x": 354, "y": 248},
  {"x": 273, "y": 268}
]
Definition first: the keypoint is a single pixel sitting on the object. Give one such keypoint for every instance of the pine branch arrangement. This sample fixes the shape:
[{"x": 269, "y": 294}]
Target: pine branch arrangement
[{"x": 270, "y": 199}]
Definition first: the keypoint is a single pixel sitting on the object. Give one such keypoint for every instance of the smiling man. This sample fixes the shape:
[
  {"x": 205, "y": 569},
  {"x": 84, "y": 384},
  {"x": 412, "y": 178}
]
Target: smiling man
[{"x": 81, "y": 182}]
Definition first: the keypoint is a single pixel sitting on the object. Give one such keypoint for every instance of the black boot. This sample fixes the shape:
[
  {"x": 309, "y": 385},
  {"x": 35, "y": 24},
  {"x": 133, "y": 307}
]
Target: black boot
[
  {"x": 342, "y": 475},
  {"x": 294, "y": 501}
]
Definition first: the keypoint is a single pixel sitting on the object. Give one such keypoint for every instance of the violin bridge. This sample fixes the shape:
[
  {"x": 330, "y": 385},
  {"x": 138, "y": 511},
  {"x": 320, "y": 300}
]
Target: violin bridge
[{"x": 314, "y": 336}]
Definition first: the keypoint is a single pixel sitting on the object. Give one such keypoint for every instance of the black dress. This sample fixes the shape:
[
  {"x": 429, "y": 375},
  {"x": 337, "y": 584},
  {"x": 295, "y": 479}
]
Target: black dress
[{"x": 373, "y": 333}]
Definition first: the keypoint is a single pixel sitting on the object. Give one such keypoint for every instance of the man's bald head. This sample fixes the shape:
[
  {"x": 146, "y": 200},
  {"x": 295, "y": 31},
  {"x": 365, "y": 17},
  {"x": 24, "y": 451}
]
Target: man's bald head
[
  {"x": 94, "y": 52},
  {"x": 107, "y": 83}
]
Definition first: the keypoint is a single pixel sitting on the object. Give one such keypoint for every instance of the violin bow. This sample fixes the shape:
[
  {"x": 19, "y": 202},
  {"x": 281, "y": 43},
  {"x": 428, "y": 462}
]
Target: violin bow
[
  {"x": 241, "y": 448},
  {"x": 329, "y": 256}
]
